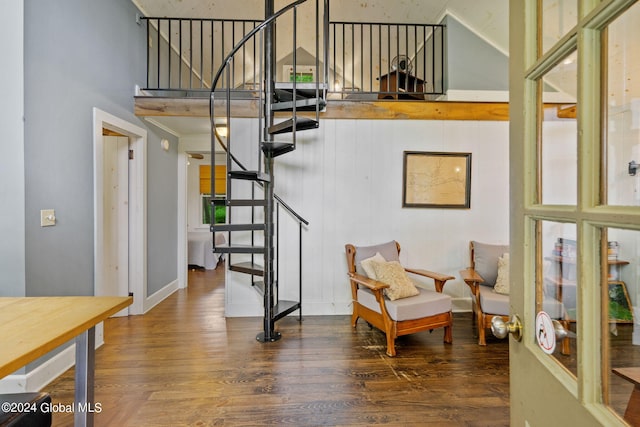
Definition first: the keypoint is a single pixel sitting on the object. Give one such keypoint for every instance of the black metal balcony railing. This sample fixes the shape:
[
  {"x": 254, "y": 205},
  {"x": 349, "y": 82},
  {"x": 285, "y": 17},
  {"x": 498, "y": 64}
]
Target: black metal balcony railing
[
  {"x": 364, "y": 61},
  {"x": 184, "y": 54},
  {"x": 395, "y": 61}
]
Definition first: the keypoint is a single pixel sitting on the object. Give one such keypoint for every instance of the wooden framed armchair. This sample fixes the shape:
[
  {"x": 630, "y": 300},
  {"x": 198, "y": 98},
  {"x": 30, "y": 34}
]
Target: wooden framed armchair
[
  {"x": 426, "y": 310},
  {"x": 481, "y": 276}
]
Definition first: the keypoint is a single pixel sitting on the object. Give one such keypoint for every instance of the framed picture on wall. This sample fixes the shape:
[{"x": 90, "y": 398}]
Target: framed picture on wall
[{"x": 436, "y": 180}]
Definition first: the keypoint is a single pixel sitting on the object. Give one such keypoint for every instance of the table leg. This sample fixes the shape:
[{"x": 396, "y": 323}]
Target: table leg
[
  {"x": 85, "y": 369},
  {"x": 632, "y": 414}
]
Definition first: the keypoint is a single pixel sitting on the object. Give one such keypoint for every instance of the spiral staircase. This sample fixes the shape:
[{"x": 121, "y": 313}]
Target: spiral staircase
[{"x": 252, "y": 220}]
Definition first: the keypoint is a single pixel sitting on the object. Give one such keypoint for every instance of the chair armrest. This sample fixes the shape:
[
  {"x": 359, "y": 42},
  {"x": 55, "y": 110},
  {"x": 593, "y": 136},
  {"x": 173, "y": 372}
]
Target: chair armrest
[
  {"x": 365, "y": 281},
  {"x": 431, "y": 274},
  {"x": 471, "y": 278},
  {"x": 470, "y": 275},
  {"x": 438, "y": 278}
]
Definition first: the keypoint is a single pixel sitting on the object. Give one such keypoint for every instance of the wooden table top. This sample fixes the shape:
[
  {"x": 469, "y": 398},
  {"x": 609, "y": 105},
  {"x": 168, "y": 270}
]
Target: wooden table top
[
  {"x": 30, "y": 327},
  {"x": 631, "y": 374}
]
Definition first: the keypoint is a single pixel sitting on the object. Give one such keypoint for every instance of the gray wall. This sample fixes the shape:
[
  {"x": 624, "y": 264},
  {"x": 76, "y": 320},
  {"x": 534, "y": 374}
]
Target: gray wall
[
  {"x": 12, "y": 280},
  {"x": 81, "y": 54},
  {"x": 472, "y": 63}
]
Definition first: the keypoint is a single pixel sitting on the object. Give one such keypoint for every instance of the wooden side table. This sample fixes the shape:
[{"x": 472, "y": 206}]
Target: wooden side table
[{"x": 632, "y": 414}]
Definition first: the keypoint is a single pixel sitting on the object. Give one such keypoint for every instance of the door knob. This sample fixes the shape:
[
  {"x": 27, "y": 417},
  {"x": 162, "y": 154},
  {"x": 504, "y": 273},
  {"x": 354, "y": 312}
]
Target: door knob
[
  {"x": 561, "y": 331},
  {"x": 501, "y": 329}
]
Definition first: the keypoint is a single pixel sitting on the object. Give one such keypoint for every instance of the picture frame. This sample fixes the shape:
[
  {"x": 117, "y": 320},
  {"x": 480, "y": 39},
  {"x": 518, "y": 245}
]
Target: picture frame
[{"x": 436, "y": 180}]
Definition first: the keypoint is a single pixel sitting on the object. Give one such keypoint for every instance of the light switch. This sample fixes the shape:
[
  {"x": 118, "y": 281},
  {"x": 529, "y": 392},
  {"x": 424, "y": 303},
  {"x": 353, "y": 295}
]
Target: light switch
[{"x": 47, "y": 217}]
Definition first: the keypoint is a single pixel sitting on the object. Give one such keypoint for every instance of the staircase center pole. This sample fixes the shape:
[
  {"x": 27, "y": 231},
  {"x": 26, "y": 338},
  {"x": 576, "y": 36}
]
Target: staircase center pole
[{"x": 269, "y": 333}]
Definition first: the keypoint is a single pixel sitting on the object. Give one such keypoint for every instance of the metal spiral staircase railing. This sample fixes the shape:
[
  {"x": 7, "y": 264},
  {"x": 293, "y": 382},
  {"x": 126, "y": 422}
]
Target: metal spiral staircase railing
[{"x": 260, "y": 231}]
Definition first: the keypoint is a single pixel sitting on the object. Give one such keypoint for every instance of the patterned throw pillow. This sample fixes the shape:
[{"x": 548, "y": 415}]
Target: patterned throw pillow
[
  {"x": 392, "y": 273},
  {"x": 367, "y": 265},
  {"x": 502, "y": 282}
]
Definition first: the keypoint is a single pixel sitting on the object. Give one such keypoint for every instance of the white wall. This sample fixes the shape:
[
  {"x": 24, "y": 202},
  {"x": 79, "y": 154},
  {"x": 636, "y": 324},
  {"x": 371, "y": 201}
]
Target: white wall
[{"x": 346, "y": 179}]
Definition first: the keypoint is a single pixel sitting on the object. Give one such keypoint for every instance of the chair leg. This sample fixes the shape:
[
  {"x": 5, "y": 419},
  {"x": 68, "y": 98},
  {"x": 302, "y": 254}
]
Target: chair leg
[
  {"x": 448, "y": 334},
  {"x": 354, "y": 318},
  {"x": 390, "y": 332},
  {"x": 481, "y": 330},
  {"x": 391, "y": 346}
]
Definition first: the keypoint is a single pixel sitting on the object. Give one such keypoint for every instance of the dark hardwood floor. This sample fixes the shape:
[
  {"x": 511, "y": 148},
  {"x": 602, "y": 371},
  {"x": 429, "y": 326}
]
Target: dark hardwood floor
[{"x": 185, "y": 364}]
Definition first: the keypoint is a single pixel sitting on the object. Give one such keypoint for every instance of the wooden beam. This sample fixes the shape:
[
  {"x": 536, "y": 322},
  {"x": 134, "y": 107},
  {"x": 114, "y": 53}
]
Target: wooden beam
[
  {"x": 336, "y": 109},
  {"x": 417, "y": 110},
  {"x": 150, "y": 106}
]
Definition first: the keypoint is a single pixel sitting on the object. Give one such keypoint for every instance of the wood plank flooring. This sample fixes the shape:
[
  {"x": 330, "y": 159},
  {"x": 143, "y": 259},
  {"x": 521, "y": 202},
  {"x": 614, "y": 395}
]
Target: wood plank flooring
[{"x": 185, "y": 364}]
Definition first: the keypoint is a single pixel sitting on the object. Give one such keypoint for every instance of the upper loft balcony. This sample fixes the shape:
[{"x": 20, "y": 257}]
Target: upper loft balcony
[{"x": 368, "y": 70}]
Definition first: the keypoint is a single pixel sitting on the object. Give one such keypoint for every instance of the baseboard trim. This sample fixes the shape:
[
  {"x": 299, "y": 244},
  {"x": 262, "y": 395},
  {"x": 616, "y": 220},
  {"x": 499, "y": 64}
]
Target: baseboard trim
[{"x": 155, "y": 299}]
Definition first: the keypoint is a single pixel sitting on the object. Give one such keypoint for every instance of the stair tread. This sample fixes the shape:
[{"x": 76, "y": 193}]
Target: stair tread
[
  {"x": 248, "y": 268},
  {"x": 250, "y": 175},
  {"x": 237, "y": 227},
  {"x": 284, "y": 307},
  {"x": 304, "y": 104},
  {"x": 240, "y": 249},
  {"x": 286, "y": 126},
  {"x": 276, "y": 149},
  {"x": 245, "y": 202}
]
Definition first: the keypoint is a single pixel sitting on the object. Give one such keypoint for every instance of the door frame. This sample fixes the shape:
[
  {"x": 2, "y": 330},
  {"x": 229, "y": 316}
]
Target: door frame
[
  {"x": 137, "y": 205},
  {"x": 543, "y": 392}
]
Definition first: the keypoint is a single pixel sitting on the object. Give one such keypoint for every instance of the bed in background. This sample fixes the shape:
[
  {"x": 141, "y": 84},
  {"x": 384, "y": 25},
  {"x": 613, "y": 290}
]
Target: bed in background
[{"x": 200, "y": 249}]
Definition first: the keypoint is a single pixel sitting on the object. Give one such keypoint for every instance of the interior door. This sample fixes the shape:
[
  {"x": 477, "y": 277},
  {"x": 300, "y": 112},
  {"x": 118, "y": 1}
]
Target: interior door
[
  {"x": 116, "y": 217},
  {"x": 575, "y": 230}
]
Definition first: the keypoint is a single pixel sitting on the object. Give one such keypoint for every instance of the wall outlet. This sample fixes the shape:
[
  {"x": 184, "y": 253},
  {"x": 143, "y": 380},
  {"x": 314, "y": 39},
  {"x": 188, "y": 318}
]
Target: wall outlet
[{"x": 47, "y": 217}]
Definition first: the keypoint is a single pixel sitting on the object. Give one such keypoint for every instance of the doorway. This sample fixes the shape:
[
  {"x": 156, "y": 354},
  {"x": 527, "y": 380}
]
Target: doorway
[{"x": 120, "y": 209}]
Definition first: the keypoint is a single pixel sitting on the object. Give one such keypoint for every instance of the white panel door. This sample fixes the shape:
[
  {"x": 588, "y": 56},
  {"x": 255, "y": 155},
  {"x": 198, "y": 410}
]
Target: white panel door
[{"x": 116, "y": 217}]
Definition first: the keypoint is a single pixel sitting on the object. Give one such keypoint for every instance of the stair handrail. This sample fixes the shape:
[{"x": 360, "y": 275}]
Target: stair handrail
[
  {"x": 214, "y": 84},
  {"x": 275, "y": 196}
]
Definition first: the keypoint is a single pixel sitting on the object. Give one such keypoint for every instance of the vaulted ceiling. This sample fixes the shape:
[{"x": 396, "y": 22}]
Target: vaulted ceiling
[{"x": 488, "y": 18}]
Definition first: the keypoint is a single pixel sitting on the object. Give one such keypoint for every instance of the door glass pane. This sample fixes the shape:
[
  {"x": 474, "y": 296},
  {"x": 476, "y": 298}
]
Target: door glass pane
[
  {"x": 557, "y": 291},
  {"x": 623, "y": 109},
  {"x": 559, "y": 157},
  {"x": 558, "y": 17},
  {"x": 621, "y": 318}
]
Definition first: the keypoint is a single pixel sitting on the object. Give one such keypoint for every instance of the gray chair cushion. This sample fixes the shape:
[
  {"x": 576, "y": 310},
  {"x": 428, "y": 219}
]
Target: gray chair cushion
[
  {"x": 495, "y": 303},
  {"x": 389, "y": 252},
  {"x": 485, "y": 258},
  {"x": 492, "y": 302},
  {"x": 426, "y": 303}
]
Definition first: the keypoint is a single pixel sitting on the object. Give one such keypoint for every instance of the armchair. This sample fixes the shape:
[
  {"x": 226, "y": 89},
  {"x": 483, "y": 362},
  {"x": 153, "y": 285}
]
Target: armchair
[
  {"x": 377, "y": 300},
  {"x": 481, "y": 278},
  {"x": 489, "y": 301}
]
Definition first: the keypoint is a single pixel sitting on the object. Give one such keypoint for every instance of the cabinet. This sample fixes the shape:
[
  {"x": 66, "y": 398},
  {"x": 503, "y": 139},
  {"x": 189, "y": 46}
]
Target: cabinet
[{"x": 560, "y": 283}]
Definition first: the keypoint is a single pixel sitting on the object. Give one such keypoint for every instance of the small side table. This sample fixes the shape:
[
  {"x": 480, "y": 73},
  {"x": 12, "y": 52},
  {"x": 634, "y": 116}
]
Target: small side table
[{"x": 632, "y": 414}]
